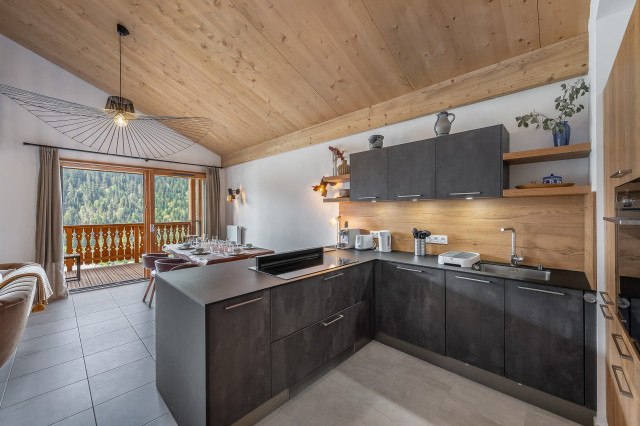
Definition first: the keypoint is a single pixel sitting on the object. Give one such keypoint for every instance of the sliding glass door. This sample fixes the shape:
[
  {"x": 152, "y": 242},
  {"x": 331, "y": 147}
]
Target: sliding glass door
[
  {"x": 177, "y": 208},
  {"x": 112, "y": 215}
]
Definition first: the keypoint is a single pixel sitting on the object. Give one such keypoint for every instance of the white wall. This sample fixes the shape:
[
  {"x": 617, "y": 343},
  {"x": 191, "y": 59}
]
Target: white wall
[
  {"x": 280, "y": 211},
  {"x": 24, "y": 69},
  {"x": 607, "y": 24}
]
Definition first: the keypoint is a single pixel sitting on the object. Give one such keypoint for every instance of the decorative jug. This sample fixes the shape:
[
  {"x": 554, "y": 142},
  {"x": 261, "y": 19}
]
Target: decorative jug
[{"x": 443, "y": 125}]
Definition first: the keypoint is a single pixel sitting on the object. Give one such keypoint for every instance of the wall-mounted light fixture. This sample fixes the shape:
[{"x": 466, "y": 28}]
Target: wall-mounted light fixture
[
  {"x": 322, "y": 187},
  {"x": 232, "y": 194}
]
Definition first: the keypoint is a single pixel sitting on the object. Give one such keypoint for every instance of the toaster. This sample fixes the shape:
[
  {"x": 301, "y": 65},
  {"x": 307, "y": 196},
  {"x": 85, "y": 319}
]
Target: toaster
[{"x": 364, "y": 242}]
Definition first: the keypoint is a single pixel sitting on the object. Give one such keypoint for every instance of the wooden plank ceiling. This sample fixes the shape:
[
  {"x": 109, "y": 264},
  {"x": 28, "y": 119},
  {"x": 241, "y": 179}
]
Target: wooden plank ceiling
[{"x": 262, "y": 69}]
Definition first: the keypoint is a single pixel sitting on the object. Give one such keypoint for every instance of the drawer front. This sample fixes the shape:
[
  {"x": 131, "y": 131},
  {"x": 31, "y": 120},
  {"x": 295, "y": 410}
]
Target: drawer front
[
  {"x": 302, "y": 303},
  {"x": 301, "y": 353},
  {"x": 622, "y": 352},
  {"x": 544, "y": 339},
  {"x": 412, "y": 305},
  {"x": 238, "y": 357},
  {"x": 623, "y": 407},
  {"x": 471, "y": 300}
]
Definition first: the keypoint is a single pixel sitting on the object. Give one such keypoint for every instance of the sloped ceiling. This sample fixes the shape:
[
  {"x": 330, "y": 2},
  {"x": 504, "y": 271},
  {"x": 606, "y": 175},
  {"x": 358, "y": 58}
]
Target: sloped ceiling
[{"x": 266, "y": 68}]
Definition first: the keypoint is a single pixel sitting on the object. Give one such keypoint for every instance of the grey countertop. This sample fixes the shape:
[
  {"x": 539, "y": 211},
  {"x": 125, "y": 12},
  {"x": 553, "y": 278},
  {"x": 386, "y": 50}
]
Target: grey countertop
[{"x": 215, "y": 283}]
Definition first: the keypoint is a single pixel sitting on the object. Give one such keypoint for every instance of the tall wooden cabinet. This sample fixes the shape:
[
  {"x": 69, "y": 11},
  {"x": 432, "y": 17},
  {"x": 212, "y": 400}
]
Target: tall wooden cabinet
[
  {"x": 621, "y": 165},
  {"x": 622, "y": 109}
]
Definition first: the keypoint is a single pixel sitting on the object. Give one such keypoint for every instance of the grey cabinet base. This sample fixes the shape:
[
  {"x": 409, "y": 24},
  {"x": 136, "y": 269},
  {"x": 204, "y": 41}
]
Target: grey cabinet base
[{"x": 561, "y": 407}]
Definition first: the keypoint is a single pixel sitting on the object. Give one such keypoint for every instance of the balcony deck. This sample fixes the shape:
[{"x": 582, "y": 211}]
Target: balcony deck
[{"x": 92, "y": 276}]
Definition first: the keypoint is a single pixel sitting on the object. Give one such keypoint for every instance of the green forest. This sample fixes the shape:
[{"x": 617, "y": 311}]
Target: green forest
[{"x": 92, "y": 197}]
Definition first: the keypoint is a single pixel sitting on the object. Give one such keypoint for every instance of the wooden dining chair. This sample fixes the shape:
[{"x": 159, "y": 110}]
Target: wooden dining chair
[
  {"x": 164, "y": 265},
  {"x": 149, "y": 262}
]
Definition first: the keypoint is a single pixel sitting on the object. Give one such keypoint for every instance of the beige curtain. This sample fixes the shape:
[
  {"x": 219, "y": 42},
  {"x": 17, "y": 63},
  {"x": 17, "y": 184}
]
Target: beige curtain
[
  {"x": 49, "y": 248},
  {"x": 212, "y": 202}
]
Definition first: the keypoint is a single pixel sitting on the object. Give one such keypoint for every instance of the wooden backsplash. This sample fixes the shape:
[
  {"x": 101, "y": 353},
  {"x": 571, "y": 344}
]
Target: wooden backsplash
[{"x": 550, "y": 230}]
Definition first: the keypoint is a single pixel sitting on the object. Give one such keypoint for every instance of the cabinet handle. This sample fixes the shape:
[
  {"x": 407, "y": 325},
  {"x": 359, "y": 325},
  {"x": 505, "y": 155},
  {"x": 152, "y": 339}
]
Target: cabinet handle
[
  {"x": 465, "y": 193},
  {"x": 332, "y": 277},
  {"x": 605, "y": 298},
  {"x": 409, "y": 269},
  {"x": 227, "y": 308},
  {"x": 616, "y": 339},
  {"x": 326, "y": 324},
  {"x": 557, "y": 293},
  {"x": 617, "y": 369},
  {"x": 366, "y": 198},
  {"x": 474, "y": 279},
  {"x": 590, "y": 298},
  {"x": 607, "y": 315},
  {"x": 620, "y": 173},
  {"x": 409, "y": 196}
]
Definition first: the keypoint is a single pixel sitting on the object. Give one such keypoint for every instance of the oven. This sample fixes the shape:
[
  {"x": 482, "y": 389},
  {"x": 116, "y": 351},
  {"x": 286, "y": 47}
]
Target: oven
[{"x": 627, "y": 258}]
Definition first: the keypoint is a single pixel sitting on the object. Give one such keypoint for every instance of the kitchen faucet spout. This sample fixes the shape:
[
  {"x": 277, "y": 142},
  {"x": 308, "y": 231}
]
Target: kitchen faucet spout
[{"x": 514, "y": 258}]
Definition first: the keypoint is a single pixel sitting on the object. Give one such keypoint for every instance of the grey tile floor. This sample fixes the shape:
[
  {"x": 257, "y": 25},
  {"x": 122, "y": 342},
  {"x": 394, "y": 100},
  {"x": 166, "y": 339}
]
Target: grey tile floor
[
  {"x": 90, "y": 360},
  {"x": 382, "y": 386},
  {"x": 86, "y": 360}
]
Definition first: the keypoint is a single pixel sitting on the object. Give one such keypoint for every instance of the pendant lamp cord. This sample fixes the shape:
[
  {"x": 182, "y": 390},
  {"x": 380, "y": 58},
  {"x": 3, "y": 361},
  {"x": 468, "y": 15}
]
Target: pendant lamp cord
[{"x": 120, "y": 39}]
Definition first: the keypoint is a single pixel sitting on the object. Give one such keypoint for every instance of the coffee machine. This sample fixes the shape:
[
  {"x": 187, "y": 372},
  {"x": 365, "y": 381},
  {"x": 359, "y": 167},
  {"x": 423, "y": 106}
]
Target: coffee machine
[
  {"x": 348, "y": 237},
  {"x": 384, "y": 240}
]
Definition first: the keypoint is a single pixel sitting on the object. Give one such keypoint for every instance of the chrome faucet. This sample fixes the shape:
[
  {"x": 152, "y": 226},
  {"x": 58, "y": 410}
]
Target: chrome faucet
[{"x": 514, "y": 258}]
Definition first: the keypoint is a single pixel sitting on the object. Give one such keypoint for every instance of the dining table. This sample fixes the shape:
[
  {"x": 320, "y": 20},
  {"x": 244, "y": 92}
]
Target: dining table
[{"x": 210, "y": 258}]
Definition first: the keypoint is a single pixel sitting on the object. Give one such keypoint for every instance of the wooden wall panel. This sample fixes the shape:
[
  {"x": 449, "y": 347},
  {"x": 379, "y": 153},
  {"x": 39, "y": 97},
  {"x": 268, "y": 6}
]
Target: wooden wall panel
[
  {"x": 560, "y": 20},
  {"x": 434, "y": 40},
  {"x": 263, "y": 69},
  {"x": 550, "y": 230},
  {"x": 335, "y": 45},
  {"x": 590, "y": 239},
  {"x": 557, "y": 62}
]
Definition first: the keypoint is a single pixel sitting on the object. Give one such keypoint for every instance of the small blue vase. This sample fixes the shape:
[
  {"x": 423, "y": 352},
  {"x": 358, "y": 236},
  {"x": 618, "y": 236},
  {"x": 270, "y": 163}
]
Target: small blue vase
[
  {"x": 562, "y": 139},
  {"x": 567, "y": 132}
]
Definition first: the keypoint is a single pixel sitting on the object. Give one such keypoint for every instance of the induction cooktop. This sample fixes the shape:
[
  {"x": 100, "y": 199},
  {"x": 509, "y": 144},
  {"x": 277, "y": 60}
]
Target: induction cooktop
[{"x": 298, "y": 263}]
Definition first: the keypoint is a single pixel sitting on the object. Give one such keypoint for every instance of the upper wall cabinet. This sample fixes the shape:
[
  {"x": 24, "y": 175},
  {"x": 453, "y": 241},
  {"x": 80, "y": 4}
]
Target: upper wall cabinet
[
  {"x": 469, "y": 164},
  {"x": 621, "y": 110},
  {"x": 369, "y": 175},
  {"x": 411, "y": 172}
]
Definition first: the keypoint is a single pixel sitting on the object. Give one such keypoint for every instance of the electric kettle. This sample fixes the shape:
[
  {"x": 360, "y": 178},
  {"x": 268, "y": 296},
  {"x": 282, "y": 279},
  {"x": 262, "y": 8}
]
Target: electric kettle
[{"x": 384, "y": 240}]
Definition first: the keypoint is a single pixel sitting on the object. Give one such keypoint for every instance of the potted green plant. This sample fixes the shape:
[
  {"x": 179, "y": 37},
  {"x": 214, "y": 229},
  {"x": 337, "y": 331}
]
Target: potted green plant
[{"x": 566, "y": 106}]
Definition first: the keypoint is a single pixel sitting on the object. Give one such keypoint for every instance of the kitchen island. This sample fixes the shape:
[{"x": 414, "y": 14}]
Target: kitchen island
[{"x": 233, "y": 343}]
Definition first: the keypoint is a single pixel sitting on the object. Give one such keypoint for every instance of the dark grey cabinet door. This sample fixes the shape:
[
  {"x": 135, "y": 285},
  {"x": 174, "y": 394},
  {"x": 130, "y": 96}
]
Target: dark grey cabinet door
[
  {"x": 544, "y": 333},
  {"x": 412, "y": 305},
  {"x": 475, "y": 320},
  {"x": 411, "y": 171},
  {"x": 301, "y": 353},
  {"x": 302, "y": 303},
  {"x": 238, "y": 357},
  {"x": 369, "y": 175},
  {"x": 470, "y": 163}
]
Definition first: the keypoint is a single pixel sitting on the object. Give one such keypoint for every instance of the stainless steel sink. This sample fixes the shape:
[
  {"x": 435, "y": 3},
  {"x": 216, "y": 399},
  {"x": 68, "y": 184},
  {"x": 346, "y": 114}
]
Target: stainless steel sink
[{"x": 515, "y": 272}]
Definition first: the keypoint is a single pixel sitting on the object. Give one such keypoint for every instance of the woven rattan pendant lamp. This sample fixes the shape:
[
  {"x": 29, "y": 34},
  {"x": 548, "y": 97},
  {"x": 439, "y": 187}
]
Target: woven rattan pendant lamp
[{"x": 117, "y": 129}]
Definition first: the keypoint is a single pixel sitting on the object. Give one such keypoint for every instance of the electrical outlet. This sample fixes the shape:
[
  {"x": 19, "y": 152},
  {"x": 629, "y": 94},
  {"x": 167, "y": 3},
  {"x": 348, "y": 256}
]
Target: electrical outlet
[{"x": 437, "y": 239}]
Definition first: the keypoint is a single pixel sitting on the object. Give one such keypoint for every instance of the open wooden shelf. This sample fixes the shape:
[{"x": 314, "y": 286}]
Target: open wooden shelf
[
  {"x": 547, "y": 192},
  {"x": 337, "y": 179},
  {"x": 567, "y": 152},
  {"x": 335, "y": 200}
]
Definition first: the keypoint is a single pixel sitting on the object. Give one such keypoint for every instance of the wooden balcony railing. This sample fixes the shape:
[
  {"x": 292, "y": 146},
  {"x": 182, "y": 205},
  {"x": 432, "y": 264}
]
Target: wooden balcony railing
[
  {"x": 112, "y": 243},
  {"x": 172, "y": 233}
]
